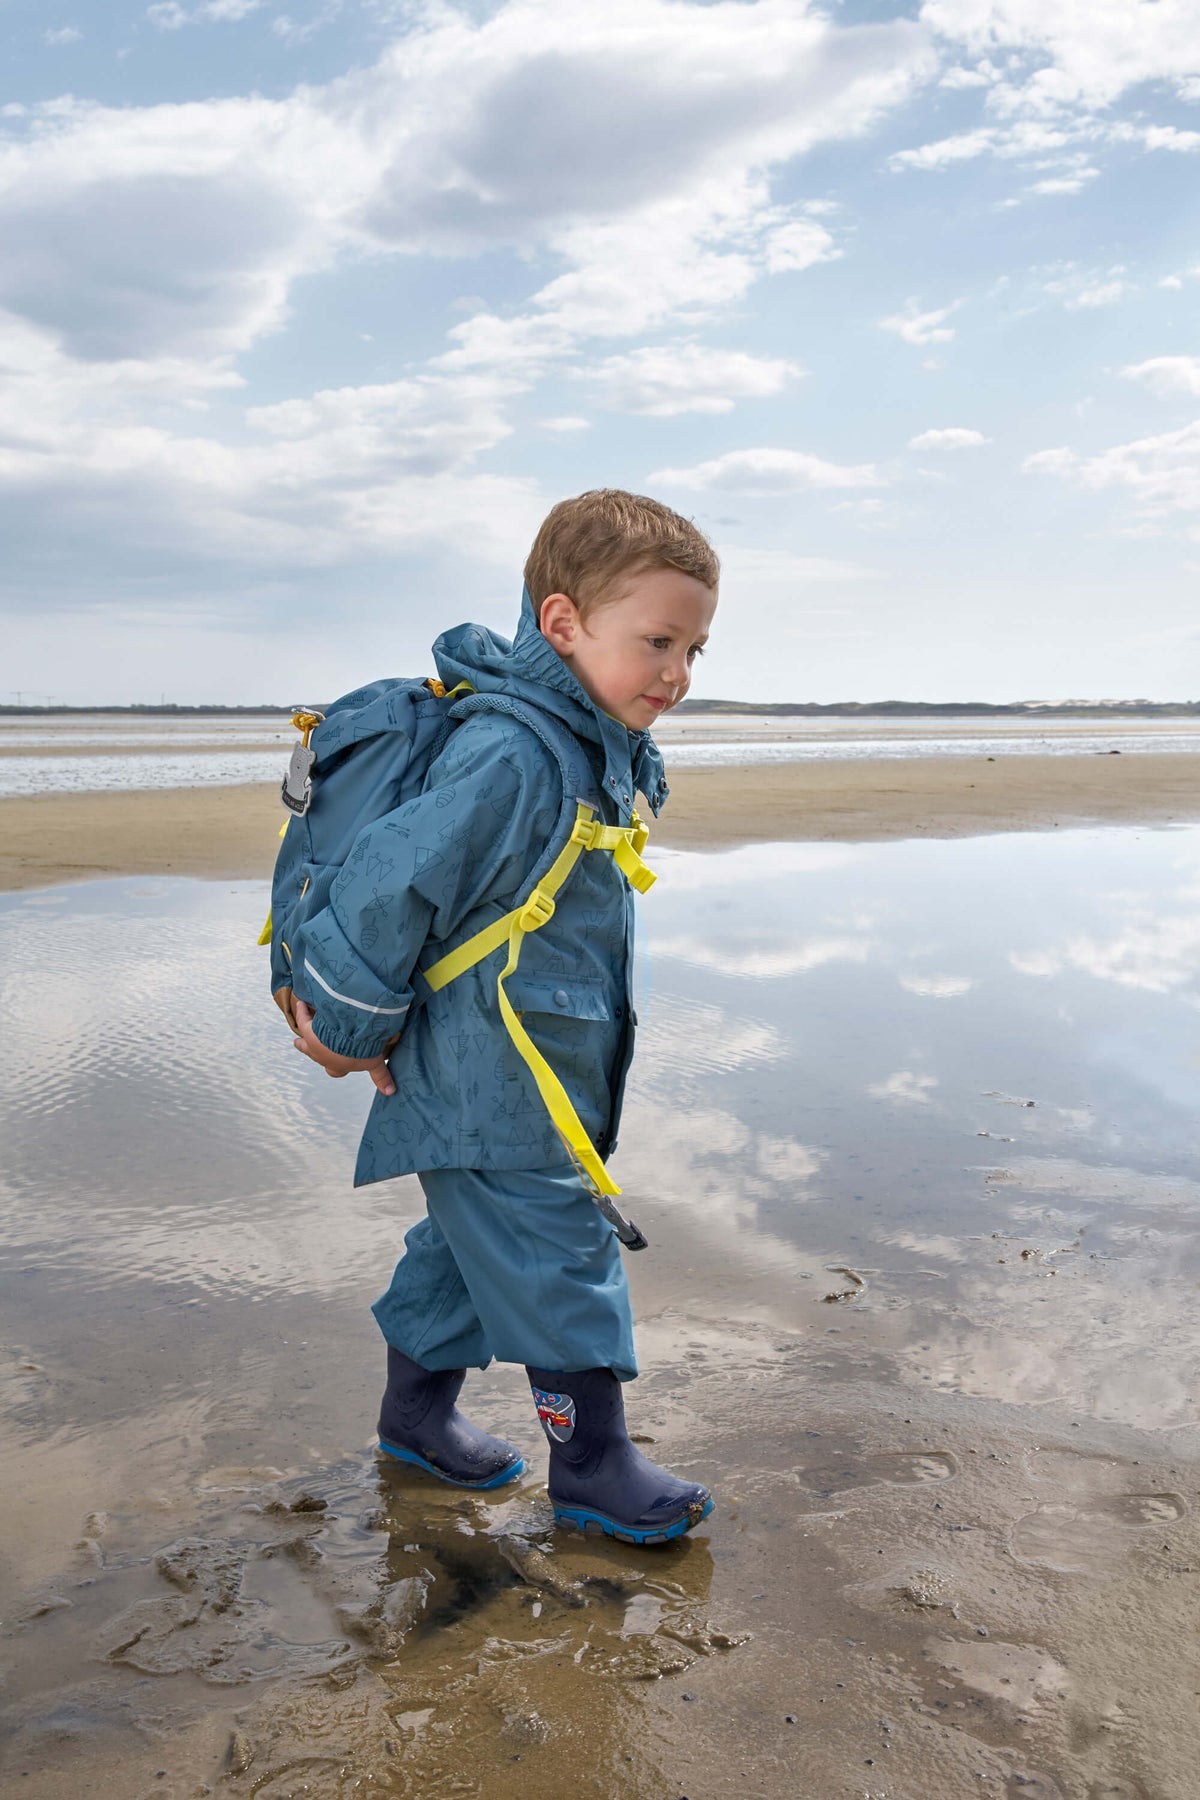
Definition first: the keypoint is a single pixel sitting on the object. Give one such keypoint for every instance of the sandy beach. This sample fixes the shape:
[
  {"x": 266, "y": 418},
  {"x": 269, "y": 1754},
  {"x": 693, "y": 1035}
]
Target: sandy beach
[
  {"x": 230, "y": 832},
  {"x": 912, "y": 1136}
]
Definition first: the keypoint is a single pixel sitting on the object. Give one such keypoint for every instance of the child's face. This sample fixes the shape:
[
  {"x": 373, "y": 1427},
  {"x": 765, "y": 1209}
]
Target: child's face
[{"x": 633, "y": 655}]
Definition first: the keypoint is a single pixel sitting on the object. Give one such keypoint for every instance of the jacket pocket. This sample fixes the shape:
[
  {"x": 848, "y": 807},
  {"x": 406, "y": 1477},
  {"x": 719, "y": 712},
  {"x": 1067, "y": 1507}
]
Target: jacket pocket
[{"x": 561, "y": 999}]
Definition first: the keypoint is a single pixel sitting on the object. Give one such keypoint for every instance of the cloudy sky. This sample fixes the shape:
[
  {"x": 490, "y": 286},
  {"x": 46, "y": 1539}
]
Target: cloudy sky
[{"x": 310, "y": 308}]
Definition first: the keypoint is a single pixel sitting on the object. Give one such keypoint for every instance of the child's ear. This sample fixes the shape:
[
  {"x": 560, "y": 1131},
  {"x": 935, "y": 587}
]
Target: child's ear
[{"x": 559, "y": 622}]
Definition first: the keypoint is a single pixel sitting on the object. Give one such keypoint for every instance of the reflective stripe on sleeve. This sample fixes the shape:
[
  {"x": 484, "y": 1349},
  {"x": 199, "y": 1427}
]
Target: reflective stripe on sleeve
[{"x": 391, "y": 1011}]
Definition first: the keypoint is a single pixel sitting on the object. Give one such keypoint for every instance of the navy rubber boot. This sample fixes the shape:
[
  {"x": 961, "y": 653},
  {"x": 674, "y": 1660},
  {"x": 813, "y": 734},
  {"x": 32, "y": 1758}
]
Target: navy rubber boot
[
  {"x": 420, "y": 1424},
  {"x": 599, "y": 1481}
]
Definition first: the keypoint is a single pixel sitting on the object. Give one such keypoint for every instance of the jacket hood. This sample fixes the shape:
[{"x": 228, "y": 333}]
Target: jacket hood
[{"x": 530, "y": 669}]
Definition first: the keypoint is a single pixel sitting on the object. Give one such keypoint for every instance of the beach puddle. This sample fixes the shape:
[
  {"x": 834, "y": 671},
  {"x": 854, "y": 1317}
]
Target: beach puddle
[{"x": 912, "y": 1135}]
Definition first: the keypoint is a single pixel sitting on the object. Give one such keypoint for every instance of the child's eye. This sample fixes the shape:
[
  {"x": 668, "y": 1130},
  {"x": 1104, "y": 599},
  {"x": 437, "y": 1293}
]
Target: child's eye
[
  {"x": 660, "y": 643},
  {"x": 696, "y": 650}
]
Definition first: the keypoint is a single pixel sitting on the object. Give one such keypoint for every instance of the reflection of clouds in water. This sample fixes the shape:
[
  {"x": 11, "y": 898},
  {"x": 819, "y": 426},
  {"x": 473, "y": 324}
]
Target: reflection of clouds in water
[
  {"x": 683, "y": 1036},
  {"x": 1035, "y": 962},
  {"x": 905, "y": 1086},
  {"x": 1156, "y": 953},
  {"x": 203, "y": 1150},
  {"x": 756, "y": 865},
  {"x": 944, "y": 1249},
  {"x": 1085, "y": 1181},
  {"x": 1102, "y": 1315},
  {"x": 712, "y": 1167},
  {"x": 1113, "y": 1347},
  {"x": 937, "y": 987},
  {"x": 757, "y": 962}
]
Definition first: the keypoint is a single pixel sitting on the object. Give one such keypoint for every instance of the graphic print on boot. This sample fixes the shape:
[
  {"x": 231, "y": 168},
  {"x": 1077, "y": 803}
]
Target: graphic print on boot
[
  {"x": 419, "y": 1423},
  {"x": 599, "y": 1480},
  {"x": 557, "y": 1414}
]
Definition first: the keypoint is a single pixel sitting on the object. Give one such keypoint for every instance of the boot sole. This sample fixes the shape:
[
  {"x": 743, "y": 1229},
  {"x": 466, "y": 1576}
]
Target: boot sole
[
  {"x": 507, "y": 1474},
  {"x": 585, "y": 1520}
]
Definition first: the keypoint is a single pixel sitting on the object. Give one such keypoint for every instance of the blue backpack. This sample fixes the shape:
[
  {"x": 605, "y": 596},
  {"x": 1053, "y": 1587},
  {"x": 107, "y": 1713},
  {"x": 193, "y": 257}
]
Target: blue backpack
[{"x": 370, "y": 753}]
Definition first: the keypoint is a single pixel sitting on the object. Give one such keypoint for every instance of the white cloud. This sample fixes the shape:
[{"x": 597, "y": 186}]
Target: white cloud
[
  {"x": 1085, "y": 289},
  {"x": 1065, "y": 147},
  {"x": 1100, "y": 293},
  {"x": 917, "y": 327},
  {"x": 1074, "y": 53},
  {"x": 1059, "y": 461},
  {"x": 566, "y": 422},
  {"x": 963, "y": 147},
  {"x": 299, "y": 31},
  {"x": 63, "y": 34},
  {"x": 1159, "y": 137},
  {"x": 767, "y": 472},
  {"x": 628, "y": 149},
  {"x": 170, "y": 15},
  {"x": 1167, "y": 374},
  {"x": 1074, "y": 183},
  {"x": 981, "y": 76},
  {"x": 665, "y": 379},
  {"x": 950, "y": 437},
  {"x": 797, "y": 244},
  {"x": 1161, "y": 473}
]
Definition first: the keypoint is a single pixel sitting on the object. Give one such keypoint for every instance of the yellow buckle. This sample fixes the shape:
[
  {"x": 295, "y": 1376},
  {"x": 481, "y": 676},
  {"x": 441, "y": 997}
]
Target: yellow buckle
[
  {"x": 537, "y": 909},
  {"x": 587, "y": 832},
  {"x": 641, "y": 833}
]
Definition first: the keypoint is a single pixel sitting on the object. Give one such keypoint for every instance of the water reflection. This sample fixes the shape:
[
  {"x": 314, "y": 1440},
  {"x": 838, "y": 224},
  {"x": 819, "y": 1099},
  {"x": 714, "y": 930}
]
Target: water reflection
[
  {"x": 919, "y": 1116},
  {"x": 836, "y": 1038},
  {"x": 932, "y": 1006}
]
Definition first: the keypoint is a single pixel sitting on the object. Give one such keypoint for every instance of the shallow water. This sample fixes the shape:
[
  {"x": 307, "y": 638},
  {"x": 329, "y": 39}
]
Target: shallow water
[{"x": 913, "y": 1139}]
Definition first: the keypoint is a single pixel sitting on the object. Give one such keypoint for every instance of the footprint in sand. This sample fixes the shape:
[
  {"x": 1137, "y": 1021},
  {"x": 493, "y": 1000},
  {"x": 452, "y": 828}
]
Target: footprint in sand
[
  {"x": 1032, "y": 1786},
  {"x": 1084, "y": 1539},
  {"x": 897, "y": 1468},
  {"x": 1117, "y": 1790}
]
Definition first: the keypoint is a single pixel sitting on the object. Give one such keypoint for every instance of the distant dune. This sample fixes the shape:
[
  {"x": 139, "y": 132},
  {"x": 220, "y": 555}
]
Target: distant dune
[{"x": 860, "y": 709}]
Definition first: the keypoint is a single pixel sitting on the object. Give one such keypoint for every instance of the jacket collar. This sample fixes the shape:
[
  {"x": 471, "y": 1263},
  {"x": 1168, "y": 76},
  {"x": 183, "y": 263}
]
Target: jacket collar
[{"x": 532, "y": 669}]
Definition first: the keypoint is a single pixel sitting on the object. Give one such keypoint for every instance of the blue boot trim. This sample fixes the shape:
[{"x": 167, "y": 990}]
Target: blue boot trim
[
  {"x": 584, "y": 1520},
  {"x": 420, "y": 1423},
  {"x": 599, "y": 1479},
  {"x": 419, "y": 1462}
]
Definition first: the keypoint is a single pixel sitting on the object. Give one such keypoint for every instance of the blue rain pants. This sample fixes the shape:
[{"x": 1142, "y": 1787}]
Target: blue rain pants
[{"x": 515, "y": 1264}]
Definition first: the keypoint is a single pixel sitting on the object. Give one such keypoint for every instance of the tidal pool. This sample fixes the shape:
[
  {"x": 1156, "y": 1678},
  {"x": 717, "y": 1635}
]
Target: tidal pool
[{"x": 912, "y": 1133}]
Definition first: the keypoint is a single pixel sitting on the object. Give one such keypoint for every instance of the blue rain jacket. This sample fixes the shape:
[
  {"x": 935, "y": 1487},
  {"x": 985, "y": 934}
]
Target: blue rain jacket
[{"x": 495, "y": 809}]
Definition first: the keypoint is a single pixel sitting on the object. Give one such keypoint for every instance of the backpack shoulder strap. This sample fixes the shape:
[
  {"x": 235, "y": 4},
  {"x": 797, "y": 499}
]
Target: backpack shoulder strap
[{"x": 585, "y": 831}]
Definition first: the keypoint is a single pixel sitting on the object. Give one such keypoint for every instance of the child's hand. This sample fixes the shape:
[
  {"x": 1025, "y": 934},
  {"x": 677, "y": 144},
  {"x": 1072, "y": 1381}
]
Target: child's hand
[{"x": 309, "y": 1044}]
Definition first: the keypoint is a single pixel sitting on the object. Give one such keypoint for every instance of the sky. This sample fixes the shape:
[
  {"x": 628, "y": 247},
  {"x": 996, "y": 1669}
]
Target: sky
[{"x": 310, "y": 309}]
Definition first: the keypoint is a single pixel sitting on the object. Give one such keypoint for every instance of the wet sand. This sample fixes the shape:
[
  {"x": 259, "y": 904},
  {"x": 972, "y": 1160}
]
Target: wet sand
[
  {"x": 230, "y": 832},
  {"x": 920, "y": 1303}
]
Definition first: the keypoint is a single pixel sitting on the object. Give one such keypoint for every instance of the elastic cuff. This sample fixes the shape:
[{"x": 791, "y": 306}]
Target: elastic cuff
[{"x": 345, "y": 1043}]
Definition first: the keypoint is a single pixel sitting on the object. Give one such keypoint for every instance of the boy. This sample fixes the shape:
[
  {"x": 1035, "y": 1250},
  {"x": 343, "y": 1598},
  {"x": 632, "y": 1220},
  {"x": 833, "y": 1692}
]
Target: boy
[{"x": 513, "y": 1260}]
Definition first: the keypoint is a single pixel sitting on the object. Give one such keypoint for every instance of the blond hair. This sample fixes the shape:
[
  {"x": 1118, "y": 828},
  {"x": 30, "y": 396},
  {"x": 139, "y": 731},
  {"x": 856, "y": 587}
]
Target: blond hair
[{"x": 585, "y": 546}]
